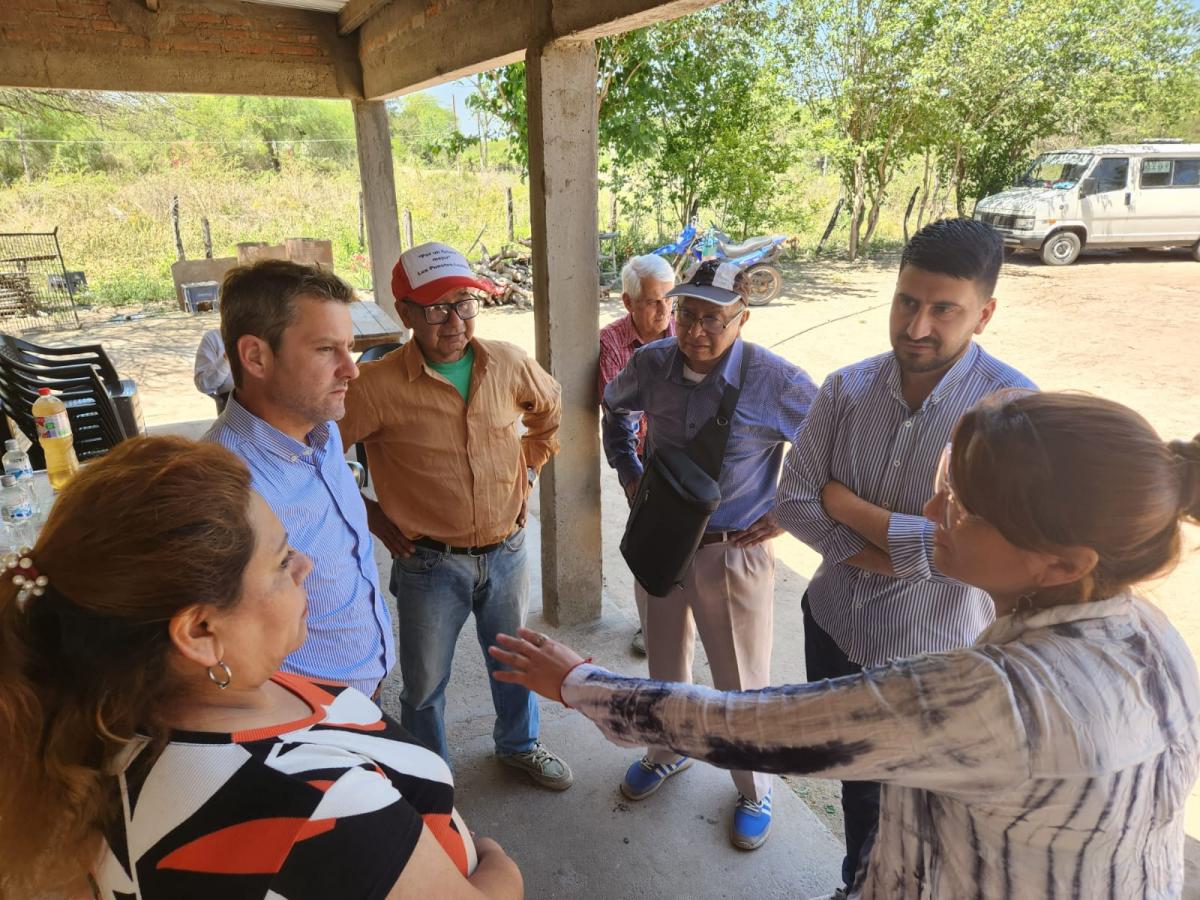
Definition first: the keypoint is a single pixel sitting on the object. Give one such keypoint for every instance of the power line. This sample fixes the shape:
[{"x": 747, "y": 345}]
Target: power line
[{"x": 258, "y": 140}]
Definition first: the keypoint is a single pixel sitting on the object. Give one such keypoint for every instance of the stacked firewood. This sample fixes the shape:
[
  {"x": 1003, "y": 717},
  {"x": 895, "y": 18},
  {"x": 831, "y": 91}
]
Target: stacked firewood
[{"x": 511, "y": 270}]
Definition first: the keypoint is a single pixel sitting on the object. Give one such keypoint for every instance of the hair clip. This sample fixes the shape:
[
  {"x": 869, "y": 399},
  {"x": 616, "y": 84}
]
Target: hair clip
[{"x": 24, "y": 576}]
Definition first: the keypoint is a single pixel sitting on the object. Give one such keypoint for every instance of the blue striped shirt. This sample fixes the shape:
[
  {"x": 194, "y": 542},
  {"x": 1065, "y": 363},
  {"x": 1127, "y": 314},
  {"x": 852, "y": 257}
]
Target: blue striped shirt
[
  {"x": 861, "y": 432},
  {"x": 770, "y": 408},
  {"x": 311, "y": 489}
]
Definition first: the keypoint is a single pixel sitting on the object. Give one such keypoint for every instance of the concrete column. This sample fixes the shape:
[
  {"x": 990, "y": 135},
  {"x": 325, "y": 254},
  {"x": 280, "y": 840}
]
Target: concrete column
[
  {"x": 378, "y": 182},
  {"x": 561, "y": 82}
]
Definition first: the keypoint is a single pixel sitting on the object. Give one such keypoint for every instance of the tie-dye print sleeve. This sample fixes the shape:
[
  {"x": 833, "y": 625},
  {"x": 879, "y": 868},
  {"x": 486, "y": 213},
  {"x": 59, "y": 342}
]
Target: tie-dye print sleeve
[{"x": 946, "y": 722}]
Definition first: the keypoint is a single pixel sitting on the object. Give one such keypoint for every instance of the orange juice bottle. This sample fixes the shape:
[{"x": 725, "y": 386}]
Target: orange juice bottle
[{"x": 54, "y": 434}]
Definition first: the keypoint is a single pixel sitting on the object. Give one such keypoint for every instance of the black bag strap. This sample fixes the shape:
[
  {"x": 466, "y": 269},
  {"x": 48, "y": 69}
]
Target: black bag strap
[{"x": 707, "y": 448}]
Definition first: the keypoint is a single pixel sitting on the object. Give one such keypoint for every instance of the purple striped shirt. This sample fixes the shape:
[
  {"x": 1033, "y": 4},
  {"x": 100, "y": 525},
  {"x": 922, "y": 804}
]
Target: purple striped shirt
[{"x": 861, "y": 432}]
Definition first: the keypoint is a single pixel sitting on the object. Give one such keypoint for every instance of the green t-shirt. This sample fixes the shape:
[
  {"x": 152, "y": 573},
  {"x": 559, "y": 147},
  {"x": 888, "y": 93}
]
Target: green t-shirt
[{"x": 457, "y": 373}]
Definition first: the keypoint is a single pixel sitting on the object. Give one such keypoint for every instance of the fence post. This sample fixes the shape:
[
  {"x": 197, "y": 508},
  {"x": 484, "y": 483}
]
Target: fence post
[
  {"x": 512, "y": 236},
  {"x": 175, "y": 224},
  {"x": 408, "y": 230},
  {"x": 204, "y": 229}
]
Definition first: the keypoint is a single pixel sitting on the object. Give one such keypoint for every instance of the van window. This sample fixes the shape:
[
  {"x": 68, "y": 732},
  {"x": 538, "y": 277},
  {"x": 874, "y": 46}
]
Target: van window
[
  {"x": 1111, "y": 174},
  {"x": 1162, "y": 173}
]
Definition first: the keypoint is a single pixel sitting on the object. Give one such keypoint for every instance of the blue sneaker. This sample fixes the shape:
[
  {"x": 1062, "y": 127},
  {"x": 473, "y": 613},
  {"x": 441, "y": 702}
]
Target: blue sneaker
[
  {"x": 643, "y": 778},
  {"x": 751, "y": 822}
]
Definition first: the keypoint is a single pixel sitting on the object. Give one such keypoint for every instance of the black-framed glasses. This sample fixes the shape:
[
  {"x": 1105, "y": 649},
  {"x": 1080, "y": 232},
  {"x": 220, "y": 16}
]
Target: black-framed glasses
[
  {"x": 439, "y": 313},
  {"x": 714, "y": 325}
]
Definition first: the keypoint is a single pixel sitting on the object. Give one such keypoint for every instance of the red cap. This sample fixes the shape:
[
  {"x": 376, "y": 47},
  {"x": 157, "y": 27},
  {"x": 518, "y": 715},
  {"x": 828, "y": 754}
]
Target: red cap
[
  {"x": 44, "y": 391},
  {"x": 425, "y": 273}
]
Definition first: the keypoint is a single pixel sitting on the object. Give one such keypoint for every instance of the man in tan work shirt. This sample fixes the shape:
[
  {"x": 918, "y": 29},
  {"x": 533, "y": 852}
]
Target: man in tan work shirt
[{"x": 439, "y": 418}]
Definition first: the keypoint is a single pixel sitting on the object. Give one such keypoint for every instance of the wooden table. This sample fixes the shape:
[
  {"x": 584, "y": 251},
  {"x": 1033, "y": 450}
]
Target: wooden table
[{"x": 372, "y": 325}]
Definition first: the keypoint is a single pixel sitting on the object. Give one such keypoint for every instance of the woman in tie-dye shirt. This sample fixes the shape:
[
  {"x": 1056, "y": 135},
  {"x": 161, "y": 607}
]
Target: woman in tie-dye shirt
[{"x": 1052, "y": 758}]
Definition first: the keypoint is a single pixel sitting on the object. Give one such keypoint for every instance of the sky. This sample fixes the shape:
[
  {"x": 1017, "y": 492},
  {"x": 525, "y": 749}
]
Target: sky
[{"x": 459, "y": 91}]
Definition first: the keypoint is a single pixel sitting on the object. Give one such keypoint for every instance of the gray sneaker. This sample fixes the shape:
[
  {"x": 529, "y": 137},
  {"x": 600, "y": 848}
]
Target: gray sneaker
[
  {"x": 638, "y": 645},
  {"x": 541, "y": 765}
]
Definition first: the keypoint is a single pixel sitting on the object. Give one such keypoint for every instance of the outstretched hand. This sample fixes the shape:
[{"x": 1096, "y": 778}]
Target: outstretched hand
[{"x": 535, "y": 661}]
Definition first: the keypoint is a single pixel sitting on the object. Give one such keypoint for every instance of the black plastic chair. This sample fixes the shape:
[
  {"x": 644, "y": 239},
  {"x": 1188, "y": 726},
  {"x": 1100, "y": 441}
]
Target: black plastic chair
[
  {"x": 123, "y": 391},
  {"x": 96, "y": 426},
  {"x": 379, "y": 351}
]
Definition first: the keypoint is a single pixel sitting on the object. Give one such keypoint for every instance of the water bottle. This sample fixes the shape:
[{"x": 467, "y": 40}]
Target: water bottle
[
  {"x": 54, "y": 434},
  {"x": 17, "y": 513},
  {"x": 16, "y": 464}
]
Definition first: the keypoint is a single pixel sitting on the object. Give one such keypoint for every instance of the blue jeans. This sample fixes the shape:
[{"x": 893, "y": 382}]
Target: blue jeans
[{"x": 435, "y": 592}]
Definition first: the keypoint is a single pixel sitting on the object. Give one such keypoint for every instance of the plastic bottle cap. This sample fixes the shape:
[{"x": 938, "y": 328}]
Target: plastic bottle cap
[
  {"x": 8, "y": 480},
  {"x": 11, "y": 445},
  {"x": 44, "y": 392}
]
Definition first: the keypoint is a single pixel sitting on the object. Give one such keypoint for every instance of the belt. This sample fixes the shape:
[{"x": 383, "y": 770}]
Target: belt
[
  {"x": 430, "y": 544},
  {"x": 716, "y": 537}
]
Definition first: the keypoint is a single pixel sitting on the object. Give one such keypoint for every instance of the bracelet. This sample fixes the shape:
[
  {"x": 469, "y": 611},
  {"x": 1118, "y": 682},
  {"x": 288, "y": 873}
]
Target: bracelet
[{"x": 582, "y": 662}]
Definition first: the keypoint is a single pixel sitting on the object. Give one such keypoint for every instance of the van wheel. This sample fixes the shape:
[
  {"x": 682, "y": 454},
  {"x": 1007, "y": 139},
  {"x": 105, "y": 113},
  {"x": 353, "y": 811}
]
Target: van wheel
[
  {"x": 1061, "y": 249},
  {"x": 1196, "y": 251}
]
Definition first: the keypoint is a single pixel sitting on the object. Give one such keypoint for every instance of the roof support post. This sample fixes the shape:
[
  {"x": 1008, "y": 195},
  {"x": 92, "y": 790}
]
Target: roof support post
[
  {"x": 378, "y": 180},
  {"x": 561, "y": 79}
]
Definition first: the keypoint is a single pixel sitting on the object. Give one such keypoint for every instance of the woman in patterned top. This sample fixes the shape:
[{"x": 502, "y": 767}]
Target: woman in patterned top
[
  {"x": 1050, "y": 759},
  {"x": 150, "y": 744}
]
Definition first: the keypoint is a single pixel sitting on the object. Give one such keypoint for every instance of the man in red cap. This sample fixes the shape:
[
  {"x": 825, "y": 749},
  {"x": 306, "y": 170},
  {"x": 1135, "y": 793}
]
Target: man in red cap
[{"x": 441, "y": 421}]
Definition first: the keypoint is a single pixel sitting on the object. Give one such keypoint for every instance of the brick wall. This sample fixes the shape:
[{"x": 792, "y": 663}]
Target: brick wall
[{"x": 184, "y": 41}]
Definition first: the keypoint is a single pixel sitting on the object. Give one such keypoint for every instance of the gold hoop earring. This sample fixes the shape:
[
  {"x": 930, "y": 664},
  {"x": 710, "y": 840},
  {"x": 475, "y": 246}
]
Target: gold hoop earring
[{"x": 225, "y": 670}]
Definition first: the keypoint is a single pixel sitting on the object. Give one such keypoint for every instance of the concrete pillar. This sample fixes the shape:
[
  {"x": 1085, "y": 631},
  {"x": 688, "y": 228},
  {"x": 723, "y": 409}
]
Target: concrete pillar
[
  {"x": 561, "y": 83},
  {"x": 378, "y": 182}
]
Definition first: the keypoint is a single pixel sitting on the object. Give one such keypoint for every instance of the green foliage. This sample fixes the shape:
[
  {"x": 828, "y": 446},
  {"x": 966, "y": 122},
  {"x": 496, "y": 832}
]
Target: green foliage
[
  {"x": 973, "y": 85},
  {"x": 117, "y": 228},
  {"x": 757, "y": 112},
  {"x": 676, "y": 119},
  {"x": 424, "y": 131}
]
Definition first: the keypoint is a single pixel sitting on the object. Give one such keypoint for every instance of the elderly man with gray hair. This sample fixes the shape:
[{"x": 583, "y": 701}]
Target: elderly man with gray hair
[{"x": 645, "y": 281}]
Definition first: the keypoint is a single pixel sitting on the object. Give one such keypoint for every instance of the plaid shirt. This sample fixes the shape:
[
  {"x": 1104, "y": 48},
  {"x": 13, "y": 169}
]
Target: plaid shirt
[{"x": 618, "y": 340}]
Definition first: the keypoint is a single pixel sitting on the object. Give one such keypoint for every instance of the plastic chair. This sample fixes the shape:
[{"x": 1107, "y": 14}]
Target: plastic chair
[
  {"x": 96, "y": 425},
  {"x": 123, "y": 391},
  {"x": 379, "y": 351}
]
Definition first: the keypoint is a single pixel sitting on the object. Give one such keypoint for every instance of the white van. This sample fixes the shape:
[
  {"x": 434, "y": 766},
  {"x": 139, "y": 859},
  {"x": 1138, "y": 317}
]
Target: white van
[{"x": 1132, "y": 195}]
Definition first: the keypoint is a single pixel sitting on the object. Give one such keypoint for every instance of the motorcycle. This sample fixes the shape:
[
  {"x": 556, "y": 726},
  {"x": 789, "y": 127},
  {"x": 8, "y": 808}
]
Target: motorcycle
[{"x": 755, "y": 256}]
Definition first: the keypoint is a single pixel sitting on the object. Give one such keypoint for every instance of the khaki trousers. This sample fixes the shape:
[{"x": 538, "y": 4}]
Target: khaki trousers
[{"x": 728, "y": 596}]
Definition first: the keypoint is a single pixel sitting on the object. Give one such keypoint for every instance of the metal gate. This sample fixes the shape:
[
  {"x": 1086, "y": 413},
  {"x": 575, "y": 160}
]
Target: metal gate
[{"x": 35, "y": 292}]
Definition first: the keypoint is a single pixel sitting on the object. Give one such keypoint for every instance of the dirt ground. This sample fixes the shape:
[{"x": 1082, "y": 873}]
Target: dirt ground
[{"x": 1122, "y": 325}]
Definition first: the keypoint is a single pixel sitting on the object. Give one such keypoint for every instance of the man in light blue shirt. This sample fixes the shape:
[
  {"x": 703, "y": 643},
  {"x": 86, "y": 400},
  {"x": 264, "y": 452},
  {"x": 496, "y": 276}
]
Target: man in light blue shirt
[
  {"x": 728, "y": 590},
  {"x": 288, "y": 337}
]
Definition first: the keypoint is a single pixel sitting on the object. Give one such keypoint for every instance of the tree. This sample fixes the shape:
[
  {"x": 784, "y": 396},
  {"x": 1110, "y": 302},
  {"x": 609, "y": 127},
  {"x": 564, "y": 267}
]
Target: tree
[
  {"x": 1000, "y": 77},
  {"x": 44, "y": 129},
  {"x": 856, "y": 68},
  {"x": 693, "y": 108},
  {"x": 422, "y": 128}
]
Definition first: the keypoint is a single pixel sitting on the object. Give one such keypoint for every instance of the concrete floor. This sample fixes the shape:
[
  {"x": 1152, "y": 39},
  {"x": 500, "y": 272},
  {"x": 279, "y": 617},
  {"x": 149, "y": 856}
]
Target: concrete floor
[{"x": 590, "y": 842}]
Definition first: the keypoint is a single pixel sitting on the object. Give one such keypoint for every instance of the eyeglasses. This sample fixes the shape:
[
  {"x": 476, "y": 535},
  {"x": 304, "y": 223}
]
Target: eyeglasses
[
  {"x": 713, "y": 325},
  {"x": 439, "y": 313},
  {"x": 953, "y": 512}
]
